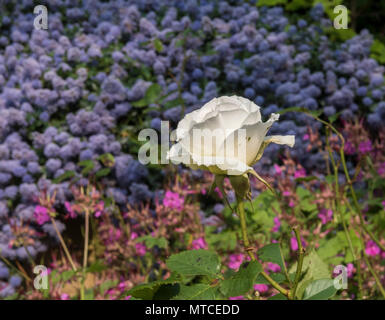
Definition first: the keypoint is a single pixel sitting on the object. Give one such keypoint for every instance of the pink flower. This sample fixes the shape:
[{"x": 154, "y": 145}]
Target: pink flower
[
  {"x": 365, "y": 147},
  {"x": 64, "y": 296},
  {"x": 306, "y": 137},
  {"x": 383, "y": 204},
  {"x": 301, "y": 173},
  {"x": 127, "y": 298},
  {"x": 261, "y": 288},
  {"x": 278, "y": 169},
  {"x": 173, "y": 200},
  {"x": 199, "y": 243},
  {"x": 122, "y": 286},
  {"x": 291, "y": 204},
  {"x": 349, "y": 148},
  {"x": 41, "y": 215},
  {"x": 235, "y": 261},
  {"x": 71, "y": 212},
  {"x": 286, "y": 193},
  {"x": 203, "y": 191},
  {"x": 277, "y": 225},
  {"x": 134, "y": 235},
  {"x": 99, "y": 209},
  {"x": 381, "y": 169},
  {"x": 273, "y": 267},
  {"x": 294, "y": 243},
  {"x": 140, "y": 249},
  {"x": 325, "y": 215},
  {"x": 350, "y": 270},
  {"x": 220, "y": 195},
  {"x": 372, "y": 249},
  {"x": 237, "y": 298}
]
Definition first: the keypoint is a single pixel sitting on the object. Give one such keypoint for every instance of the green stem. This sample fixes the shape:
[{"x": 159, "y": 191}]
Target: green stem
[
  {"x": 9, "y": 264},
  {"x": 374, "y": 274},
  {"x": 354, "y": 196},
  {"x": 63, "y": 244},
  {"x": 356, "y": 204},
  {"x": 301, "y": 253},
  {"x": 29, "y": 255},
  {"x": 337, "y": 192},
  {"x": 248, "y": 249},
  {"x": 85, "y": 253}
]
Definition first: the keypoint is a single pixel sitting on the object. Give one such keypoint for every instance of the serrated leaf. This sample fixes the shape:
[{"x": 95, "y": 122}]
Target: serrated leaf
[
  {"x": 321, "y": 289},
  {"x": 147, "y": 291},
  {"x": 195, "y": 262},
  {"x": 277, "y": 277},
  {"x": 226, "y": 240},
  {"x": 242, "y": 281},
  {"x": 166, "y": 291},
  {"x": 200, "y": 291},
  {"x": 272, "y": 253},
  {"x": 313, "y": 268}
]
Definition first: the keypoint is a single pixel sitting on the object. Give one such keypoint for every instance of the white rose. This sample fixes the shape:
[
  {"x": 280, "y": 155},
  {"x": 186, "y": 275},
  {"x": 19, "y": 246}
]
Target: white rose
[{"x": 236, "y": 126}]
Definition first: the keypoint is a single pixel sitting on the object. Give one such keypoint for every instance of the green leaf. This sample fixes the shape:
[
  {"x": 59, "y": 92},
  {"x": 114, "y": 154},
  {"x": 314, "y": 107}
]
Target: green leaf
[
  {"x": 313, "y": 268},
  {"x": 103, "y": 172},
  {"x": 195, "y": 262},
  {"x": 88, "y": 166},
  {"x": 321, "y": 289},
  {"x": 107, "y": 159},
  {"x": 330, "y": 248},
  {"x": 152, "y": 95},
  {"x": 270, "y": 3},
  {"x": 158, "y": 45},
  {"x": 66, "y": 175},
  {"x": 297, "y": 5},
  {"x": 378, "y": 51},
  {"x": 153, "y": 92},
  {"x": 151, "y": 242},
  {"x": 67, "y": 275},
  {"x": 200, "y": 291},
  {"x": 147, "y": 291},
  {"x": 278, "y": 296},
  {"x": 277, "y": 277},
  {"x": 173, "y": 103},
  {"x": 272, "y": 253},
  {"x": 242, "y": 281},
  {"x": 89, "y": 294},
  {"x": 166, "y": 291},
  {"x": 179, "y": 43},
  {"x": 302, "y": 110},
  {"x": 226, "y": 240},
  {"x": 97, "y": 266},
  {"x": 306, "y": 179},
  {"x": 86, "y": 163},
  {"x": 107, "y": 285}
]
